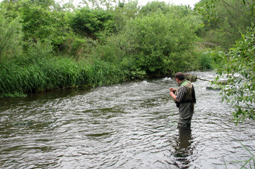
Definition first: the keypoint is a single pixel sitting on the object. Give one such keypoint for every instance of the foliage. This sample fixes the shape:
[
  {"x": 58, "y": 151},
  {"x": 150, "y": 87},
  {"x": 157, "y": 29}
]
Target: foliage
[
  {"x": 105, "y": 73},
  {"x": 123, "y": 13},
  {"x": 10, "y": 37},
  {"x": 11, "y": 8},
  {"x": 205, "y": 61},
  {"x": 91, "y": 22},
  {"x": 40, "y": 20},
  {"x": 101, "y": 4},
  {"x": 94, "y": 46},
  {"x": 157, "y": 44},
  {"x": 40, "y": 24},
  {"x": 239, "y": 66},
  {"x": 153, "y": 7},
  {"x": 225, "y": 20},
  {"x": 116, "y": 51},
  {"x": 156, "y": 41},
  {"x": 39, "y": 71},
  {"x": 37, "y": 23}
]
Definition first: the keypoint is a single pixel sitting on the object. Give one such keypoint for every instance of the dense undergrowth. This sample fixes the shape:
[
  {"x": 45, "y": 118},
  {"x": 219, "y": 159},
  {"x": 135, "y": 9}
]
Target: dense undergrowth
[
  {"x": 23, "y": 76},
  {"x": 32, "y": 74},
  {"x": 45, "y": 46}
]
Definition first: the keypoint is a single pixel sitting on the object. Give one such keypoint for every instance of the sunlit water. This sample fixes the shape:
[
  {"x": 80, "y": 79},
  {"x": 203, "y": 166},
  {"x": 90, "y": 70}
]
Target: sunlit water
[{"x": 132, "y": 125}]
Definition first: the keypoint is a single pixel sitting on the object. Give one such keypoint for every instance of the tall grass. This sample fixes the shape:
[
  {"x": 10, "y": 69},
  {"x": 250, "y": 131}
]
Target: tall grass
[
  {"x": 39, "y": 71},
  {"x": 19, "y": 78},
  {"x": 10, "y": 37}
]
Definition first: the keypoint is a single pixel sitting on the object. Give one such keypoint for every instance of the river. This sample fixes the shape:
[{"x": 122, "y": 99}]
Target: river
[{"x": 130, "y": 125}]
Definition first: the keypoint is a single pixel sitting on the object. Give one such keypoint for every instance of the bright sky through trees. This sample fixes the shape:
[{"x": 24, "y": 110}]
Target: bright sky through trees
[
  {"x": 191, "y": 3},
  {"x": 176, "y": 2}
]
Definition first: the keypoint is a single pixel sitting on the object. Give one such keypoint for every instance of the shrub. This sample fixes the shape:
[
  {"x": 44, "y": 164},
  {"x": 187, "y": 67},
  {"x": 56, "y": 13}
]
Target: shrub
[
  {"x": 159, "y": 42},
  {"x": 90, "y": 22},
  {"x": 239, "y": 66},
  {"x": 205, "y": 61},
  {"x": 10, "y": 36}
]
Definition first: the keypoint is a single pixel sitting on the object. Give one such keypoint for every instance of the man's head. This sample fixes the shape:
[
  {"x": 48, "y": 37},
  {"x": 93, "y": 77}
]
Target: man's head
[{"x": 179, "y": 77}]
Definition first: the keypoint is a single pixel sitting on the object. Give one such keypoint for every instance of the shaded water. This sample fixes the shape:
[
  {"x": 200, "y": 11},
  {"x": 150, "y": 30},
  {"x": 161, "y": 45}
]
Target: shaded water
[{"x": 131, "y": 125}]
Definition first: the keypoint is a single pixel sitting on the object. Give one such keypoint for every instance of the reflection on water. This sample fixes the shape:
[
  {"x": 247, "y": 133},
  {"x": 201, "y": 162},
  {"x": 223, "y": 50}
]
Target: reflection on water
[
  {"x": 183, "y": 148},
  {"x": 132, "y": 125}
]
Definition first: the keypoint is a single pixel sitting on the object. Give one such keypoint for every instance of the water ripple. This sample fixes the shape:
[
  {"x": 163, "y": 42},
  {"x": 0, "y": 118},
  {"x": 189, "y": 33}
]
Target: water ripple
[{"x": 132, "y": 125}]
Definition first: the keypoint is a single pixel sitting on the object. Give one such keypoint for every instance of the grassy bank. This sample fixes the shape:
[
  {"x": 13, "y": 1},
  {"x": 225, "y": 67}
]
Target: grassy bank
[
  {"x": 22, "y": 76},
  {"x": 103, "y": 48},
  {"x": 29, "y": 74}
]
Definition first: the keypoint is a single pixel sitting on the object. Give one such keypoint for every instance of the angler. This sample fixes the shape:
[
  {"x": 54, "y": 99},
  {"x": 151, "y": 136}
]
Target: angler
[{"x": 185, "y": 99}]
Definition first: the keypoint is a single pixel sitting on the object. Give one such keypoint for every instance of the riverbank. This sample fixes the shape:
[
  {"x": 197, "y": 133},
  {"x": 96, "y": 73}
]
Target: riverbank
[
  {"x": 41, "y": 72},
  {"x": 23, "y": 76}
]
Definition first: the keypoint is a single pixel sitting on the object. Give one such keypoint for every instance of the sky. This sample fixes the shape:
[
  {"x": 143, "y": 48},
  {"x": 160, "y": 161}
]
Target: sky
[
  {"x": 175, "y": 2},
  {"x": 191, "y": 3}
]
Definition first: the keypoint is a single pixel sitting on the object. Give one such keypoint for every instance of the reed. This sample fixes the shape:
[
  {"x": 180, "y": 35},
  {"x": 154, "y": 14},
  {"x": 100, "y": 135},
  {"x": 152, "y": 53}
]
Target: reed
[
  {"x": 22, "y": 76},
  {"x": 249, "y": 163},
  {"x": 105, "y": 73}
]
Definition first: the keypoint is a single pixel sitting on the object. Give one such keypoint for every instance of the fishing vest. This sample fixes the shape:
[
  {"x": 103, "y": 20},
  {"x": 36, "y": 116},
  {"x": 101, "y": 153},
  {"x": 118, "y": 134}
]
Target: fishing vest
[{"x": 190, "y": 95}]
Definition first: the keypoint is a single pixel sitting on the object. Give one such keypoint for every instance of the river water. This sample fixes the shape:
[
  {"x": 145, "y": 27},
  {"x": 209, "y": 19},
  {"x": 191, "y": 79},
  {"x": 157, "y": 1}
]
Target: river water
[{"x": 131, "y": 125}]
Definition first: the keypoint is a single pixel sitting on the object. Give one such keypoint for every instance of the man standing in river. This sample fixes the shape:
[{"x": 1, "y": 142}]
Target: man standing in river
[{"x": 185, "y": 99}]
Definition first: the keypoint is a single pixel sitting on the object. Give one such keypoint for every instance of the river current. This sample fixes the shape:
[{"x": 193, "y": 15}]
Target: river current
[{"x": 130, "y": 126}]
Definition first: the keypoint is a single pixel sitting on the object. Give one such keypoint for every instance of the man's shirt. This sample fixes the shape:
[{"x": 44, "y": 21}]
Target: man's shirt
[{"x": 180, "y": 94}]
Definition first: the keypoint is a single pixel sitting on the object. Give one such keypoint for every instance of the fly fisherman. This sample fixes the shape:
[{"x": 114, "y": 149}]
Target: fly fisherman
[{"x": 185, "y": 99}]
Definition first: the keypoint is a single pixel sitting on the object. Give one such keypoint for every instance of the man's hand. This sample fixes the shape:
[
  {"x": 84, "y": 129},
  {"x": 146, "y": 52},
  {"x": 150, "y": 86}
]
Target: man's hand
[{"x": 172, "y": 90}]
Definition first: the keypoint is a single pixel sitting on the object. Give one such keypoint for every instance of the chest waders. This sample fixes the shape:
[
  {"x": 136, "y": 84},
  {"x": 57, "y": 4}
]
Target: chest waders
[{"x": 186, "y": 105}]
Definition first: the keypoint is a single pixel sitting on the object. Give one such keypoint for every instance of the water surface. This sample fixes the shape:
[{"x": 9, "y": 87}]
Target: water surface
[{"x": 131, "y": 125}]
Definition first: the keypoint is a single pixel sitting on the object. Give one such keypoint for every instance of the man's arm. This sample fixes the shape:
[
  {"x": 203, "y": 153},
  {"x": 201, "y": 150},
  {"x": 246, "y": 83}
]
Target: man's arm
[
  {"x": 178, "y": 96},
  {"x": 172, "y": 91},
  {"x": 174, "y": 96}
]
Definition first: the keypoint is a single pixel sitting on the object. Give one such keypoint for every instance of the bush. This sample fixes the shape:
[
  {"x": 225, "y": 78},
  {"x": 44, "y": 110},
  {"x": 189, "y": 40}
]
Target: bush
[
  {"x": 39, "y": 71},
  {"x": 239, "y": 66},
  {"x": 156, "y": 42},
  {"x": 10, "y": 37},
  {"x": 90, "y": 22},
  {"x": 205, "y": 61}
]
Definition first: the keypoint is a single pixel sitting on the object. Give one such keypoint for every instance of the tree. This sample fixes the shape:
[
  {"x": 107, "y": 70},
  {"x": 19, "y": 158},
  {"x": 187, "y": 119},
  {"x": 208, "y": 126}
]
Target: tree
[
  {"x": 90, "y": 22},
  {"x": 225, "y": 20},
  {"x": 100, "y": 4},
  {"x": 238, "y": 65},
  {"x": 40, "y": 20},
  {"x": 124, "y": 12},
  {"x": 158, "y": 42},
  {"x": 153, "y": 7}
]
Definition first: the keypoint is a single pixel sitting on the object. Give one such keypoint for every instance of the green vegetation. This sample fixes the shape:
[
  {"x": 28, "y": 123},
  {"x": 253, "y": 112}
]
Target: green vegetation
[
  {"x": 230, "y": 25},
  {"x": 45, "y": 45},
  {"x": 10, "y": 37},
  {"x": 225, "y": 20},
  {"x": 39, "y": 71},
  {"x": 239, "y": 66}
]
